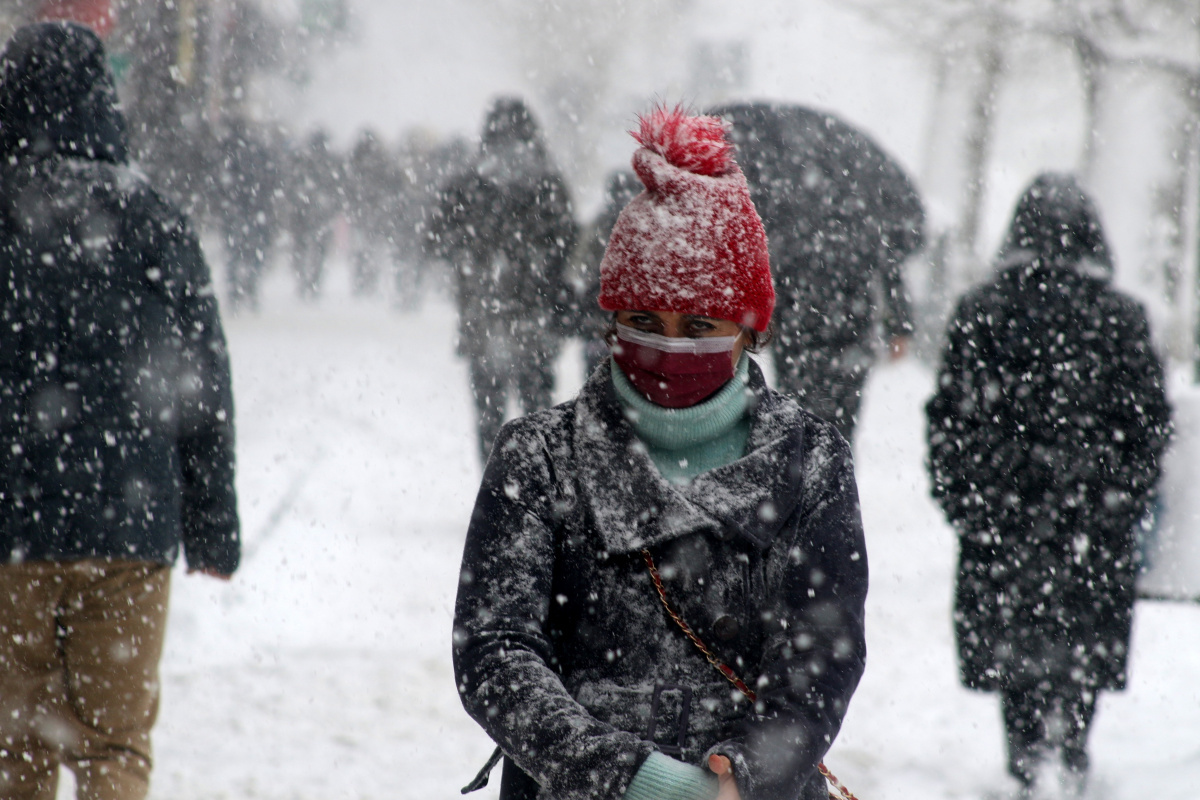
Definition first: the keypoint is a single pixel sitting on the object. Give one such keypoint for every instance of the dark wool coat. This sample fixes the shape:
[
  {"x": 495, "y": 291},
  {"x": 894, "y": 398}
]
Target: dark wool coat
[
  {"x": 1045, "y": 436},
  {"x": 116, "y": 418},
  {"x": 562, "y": 649}
]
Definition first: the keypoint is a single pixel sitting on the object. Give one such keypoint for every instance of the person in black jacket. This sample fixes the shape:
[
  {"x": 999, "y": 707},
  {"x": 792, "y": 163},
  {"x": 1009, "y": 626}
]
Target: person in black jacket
[
  {"x": 507, "y": 227},
  {"x": 675, "y": 463},
  {"x": 1045, "y": 439},
  {"x": 116, "y": 424}
]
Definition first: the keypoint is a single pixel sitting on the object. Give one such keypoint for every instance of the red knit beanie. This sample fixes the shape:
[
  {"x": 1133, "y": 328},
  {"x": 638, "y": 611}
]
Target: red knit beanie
[{"x": 691, "y": 243}]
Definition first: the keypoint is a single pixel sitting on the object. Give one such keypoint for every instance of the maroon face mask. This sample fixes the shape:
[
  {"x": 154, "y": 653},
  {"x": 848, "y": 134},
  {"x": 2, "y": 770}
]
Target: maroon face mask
[{"x": 674, "y": 372}]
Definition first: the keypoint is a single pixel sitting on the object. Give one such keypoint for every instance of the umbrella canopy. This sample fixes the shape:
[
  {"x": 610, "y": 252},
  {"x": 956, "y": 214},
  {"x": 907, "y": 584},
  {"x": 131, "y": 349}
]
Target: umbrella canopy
[
  {"x": 808, "y": 168},
  {"x": 837, "y": 208}
]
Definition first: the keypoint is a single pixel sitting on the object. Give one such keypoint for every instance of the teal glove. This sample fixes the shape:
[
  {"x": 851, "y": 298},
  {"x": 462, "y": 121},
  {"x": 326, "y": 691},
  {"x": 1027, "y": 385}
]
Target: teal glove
[{"x": 663, "y": 778}]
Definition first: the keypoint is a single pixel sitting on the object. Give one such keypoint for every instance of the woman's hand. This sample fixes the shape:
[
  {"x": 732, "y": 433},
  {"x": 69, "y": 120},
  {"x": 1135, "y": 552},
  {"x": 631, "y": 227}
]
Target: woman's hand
[{"x": 727, "y": 786}]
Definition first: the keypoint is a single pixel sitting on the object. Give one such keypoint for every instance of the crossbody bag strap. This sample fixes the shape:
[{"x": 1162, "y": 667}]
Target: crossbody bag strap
[
  {"x": 481, "y": 779},
  {"x": 726, "y": 670}
]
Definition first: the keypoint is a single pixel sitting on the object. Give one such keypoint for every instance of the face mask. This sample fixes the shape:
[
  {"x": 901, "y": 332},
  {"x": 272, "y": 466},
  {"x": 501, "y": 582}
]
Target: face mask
[{"x": 674, "y": 372}]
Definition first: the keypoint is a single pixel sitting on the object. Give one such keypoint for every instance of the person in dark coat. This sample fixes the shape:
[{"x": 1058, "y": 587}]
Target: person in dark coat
[
  {"x": 315, "y": 203},
  {"x": 116, "y": 424},
  {"x": 1045, "y": 441},
  {"x": 507, "y": 227},
  {"x": 842, "y": 218},
  {"x": 249, "y": 179},
  {"x": 416, "y": 195},
  {"x": 374, "y": 184},
  {"x": 674, "y": 463}
]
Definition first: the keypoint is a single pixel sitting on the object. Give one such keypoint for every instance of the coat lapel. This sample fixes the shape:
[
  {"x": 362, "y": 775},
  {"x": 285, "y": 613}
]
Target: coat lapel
[
  {"x": 632, "y": 506},
  {"x": 753, "y": 496}
]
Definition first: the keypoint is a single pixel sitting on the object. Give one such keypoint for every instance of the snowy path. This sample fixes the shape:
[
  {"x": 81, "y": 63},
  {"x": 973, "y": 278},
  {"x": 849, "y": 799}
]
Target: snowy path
[{"x": 322, "y": 671}]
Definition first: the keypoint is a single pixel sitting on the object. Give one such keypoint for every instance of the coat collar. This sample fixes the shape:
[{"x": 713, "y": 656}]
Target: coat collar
[{"x": 632, "y": 506}]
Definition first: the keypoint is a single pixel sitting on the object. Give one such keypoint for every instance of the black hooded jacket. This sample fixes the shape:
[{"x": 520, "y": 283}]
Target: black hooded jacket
[
  {"x": 57, "y": 96},
  {"x": 116, "y": 416},
  {"x": 1045, "y": 438}
]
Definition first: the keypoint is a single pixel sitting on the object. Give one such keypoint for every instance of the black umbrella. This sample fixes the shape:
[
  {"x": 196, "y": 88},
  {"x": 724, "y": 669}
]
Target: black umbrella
[{"x": 837, "y": 208}]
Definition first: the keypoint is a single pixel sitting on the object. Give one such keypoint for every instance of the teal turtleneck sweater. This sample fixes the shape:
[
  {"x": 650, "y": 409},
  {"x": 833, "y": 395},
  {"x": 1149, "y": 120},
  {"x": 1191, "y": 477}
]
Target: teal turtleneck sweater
[{"x": 684, "y": 442}]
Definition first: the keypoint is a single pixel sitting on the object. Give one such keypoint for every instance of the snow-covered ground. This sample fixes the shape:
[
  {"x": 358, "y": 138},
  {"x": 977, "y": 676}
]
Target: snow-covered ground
[{"x": 322, "y": 671}]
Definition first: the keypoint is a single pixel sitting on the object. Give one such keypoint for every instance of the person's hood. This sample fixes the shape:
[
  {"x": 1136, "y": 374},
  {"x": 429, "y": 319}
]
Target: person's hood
[
  {"x": 509, "y": 120},
  {"x": 1056, "y": 224},
  {"x": 58, "y": 97},
  {"x": 511, "y": 148}
]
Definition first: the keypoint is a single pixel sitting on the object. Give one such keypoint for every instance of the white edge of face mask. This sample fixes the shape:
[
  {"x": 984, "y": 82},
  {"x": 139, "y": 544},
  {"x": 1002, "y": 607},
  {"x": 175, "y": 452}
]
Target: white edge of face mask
[{"x": 668, "y": 344}]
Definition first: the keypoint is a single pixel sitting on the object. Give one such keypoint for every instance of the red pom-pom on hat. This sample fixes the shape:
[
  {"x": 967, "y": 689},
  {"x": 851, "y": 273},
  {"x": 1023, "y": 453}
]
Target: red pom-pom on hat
[
  {"x": 695, "y": 144},
  {"x": 692, "y": 243}
]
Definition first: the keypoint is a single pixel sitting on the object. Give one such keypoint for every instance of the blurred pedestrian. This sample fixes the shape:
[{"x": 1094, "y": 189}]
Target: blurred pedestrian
[
  {"x": 314, "y": 202},
  {"x": 416, "y": 196},
  {"x": 1045, "y": 440},
  {"x": 249, "y": 179},
  {"x": 372, "y": 178},
  {"x": 621, "y": 186},
  {"x": 842, "y": 218},
  {"x": 507, "y": 226},
  {"x": 438, "y": 166},
  {"x": 115, "y": 424},
  {"x": 677, "y": 478}
]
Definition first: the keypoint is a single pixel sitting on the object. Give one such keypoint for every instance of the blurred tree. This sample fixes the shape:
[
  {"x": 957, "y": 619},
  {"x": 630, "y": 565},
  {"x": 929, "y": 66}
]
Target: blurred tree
[
  {"x": 192, "y": 66},
  {"x": 166, "y": 88},
  {"x": 973, "y": 45}
]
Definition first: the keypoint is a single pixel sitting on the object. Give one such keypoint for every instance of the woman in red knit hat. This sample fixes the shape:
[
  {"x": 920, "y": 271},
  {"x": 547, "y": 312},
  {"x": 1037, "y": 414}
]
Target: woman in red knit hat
[{"x": 662, "y": 587}]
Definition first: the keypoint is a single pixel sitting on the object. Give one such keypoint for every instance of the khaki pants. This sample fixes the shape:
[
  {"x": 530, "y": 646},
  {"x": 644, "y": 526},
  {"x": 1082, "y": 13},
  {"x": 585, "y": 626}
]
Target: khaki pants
[{"x": 80, "y": 643}]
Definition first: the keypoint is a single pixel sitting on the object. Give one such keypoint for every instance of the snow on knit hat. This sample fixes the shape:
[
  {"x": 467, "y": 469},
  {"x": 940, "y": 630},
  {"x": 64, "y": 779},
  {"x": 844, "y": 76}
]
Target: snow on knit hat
[{"x": 692, "y": 242}]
